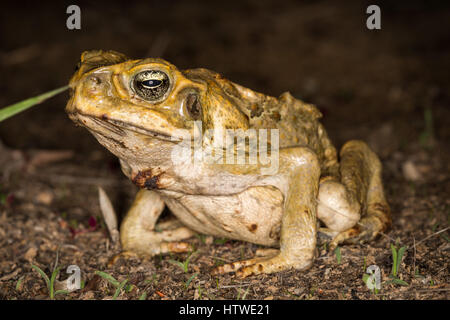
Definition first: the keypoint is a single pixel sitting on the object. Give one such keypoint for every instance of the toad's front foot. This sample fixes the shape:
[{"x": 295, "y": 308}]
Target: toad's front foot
[{"x": 261, "y": 265}]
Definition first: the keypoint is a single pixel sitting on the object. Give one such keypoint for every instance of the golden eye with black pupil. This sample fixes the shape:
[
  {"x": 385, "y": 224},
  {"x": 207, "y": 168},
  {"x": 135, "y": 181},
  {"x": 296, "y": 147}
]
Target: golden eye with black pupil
[
  {"x": 193, "y": 106},
  {"x": 151, "y": 85}
]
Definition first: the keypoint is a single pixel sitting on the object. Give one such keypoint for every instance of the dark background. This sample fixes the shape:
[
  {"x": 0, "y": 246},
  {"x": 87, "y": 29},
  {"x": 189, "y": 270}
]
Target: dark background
[
  {"x": 389, "y": 87},
  {"x": 320, "y": 51}
]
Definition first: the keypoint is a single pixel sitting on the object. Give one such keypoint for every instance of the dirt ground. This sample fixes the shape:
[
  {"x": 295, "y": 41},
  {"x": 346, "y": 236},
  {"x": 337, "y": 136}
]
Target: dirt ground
[{"x": 389, "y": 87}]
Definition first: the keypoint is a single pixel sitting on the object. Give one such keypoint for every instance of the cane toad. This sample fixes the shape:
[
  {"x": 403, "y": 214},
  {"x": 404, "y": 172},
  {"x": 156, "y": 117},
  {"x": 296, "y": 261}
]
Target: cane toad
[{"x": 145, "y": 111}]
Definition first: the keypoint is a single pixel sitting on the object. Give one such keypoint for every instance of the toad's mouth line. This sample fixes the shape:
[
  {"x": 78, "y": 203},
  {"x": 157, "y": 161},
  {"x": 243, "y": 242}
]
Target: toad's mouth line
[{"x": 119, "y": 127}]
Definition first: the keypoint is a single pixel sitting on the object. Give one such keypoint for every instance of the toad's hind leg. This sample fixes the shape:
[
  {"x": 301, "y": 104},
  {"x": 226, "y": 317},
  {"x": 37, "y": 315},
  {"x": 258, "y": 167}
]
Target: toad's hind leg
[
  {"x": 359, "y": 194},
  {"x": 139, "y": 235}
]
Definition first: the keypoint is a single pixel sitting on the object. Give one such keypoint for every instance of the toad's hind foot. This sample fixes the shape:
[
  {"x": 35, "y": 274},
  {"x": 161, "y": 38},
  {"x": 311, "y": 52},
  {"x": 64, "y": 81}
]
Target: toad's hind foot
[
  {"x": 259, "y": 265},
  {"x": 272, "y": 261},
  {"x": 361, "y": 175},
  {"x": 368, "y": 228}
]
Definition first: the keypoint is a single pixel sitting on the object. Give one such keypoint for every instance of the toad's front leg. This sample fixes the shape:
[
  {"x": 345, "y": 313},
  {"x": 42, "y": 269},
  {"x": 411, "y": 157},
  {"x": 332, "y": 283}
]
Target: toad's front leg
[
  {"x": 298, "y": 226},
  {"x": 140, "y": 235}
]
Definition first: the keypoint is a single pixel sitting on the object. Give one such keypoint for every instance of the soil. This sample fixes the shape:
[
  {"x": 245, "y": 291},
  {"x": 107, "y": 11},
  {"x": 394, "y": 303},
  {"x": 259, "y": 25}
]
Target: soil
[{"x": 389, "y": 87}]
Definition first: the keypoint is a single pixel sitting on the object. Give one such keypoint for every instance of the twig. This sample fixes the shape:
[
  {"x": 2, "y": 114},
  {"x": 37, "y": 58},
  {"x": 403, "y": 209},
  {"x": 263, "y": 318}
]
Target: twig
[
  {"x": 85, "y": 180},
  {"x": 218, "y": 258},
  {"x": 432, "y": 235},
  {"x": 414, "y": 258},
  {"x": 431, "y": 290},
  {"x": 236, "y": 285},
  {"x": 70, "y": 246}
]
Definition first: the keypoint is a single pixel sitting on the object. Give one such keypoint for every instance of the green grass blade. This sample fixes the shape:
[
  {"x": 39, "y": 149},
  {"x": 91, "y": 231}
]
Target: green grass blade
[
  {"x": 143, "y": 296},
  {"x": 129, "y": 287},
  {"x": 337, "y": 251},
  {"x": 400, "y": 282},
  {"x": 108, "y": 277},
  {"x": 18, "y": 107},
  {"x": 394, "y": 260},
  {"x": 186, "y": 263},
  {"x": 19, "y": 283},
  {"x": 245, "y": 293},
  {"x": 61, "y": 292},
  {"x": 190, "y": 280},
  {"x": 177, "y": 263},
  {"x": 119, "y": 288},
  {"x": 43, "y": 275},
  {"x": 52, "y": 283},
  {"x": 220, "y": 240},
  {"x": 365, "y": 277}
]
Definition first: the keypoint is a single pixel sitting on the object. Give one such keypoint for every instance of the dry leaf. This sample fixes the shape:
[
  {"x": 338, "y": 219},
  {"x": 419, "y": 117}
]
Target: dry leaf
[
  {"x": 30, "y": 254},
  {"x": 410, "y": 171},
  {"x": 44, "y": 197},
  {"x": 39, "y": 158},
  {"x": 109, "y": 215}
]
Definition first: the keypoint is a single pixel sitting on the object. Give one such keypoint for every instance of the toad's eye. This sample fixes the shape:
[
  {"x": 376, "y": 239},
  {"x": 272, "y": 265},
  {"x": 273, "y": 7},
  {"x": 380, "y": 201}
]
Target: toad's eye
[{"x": 151, "y": 85}]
